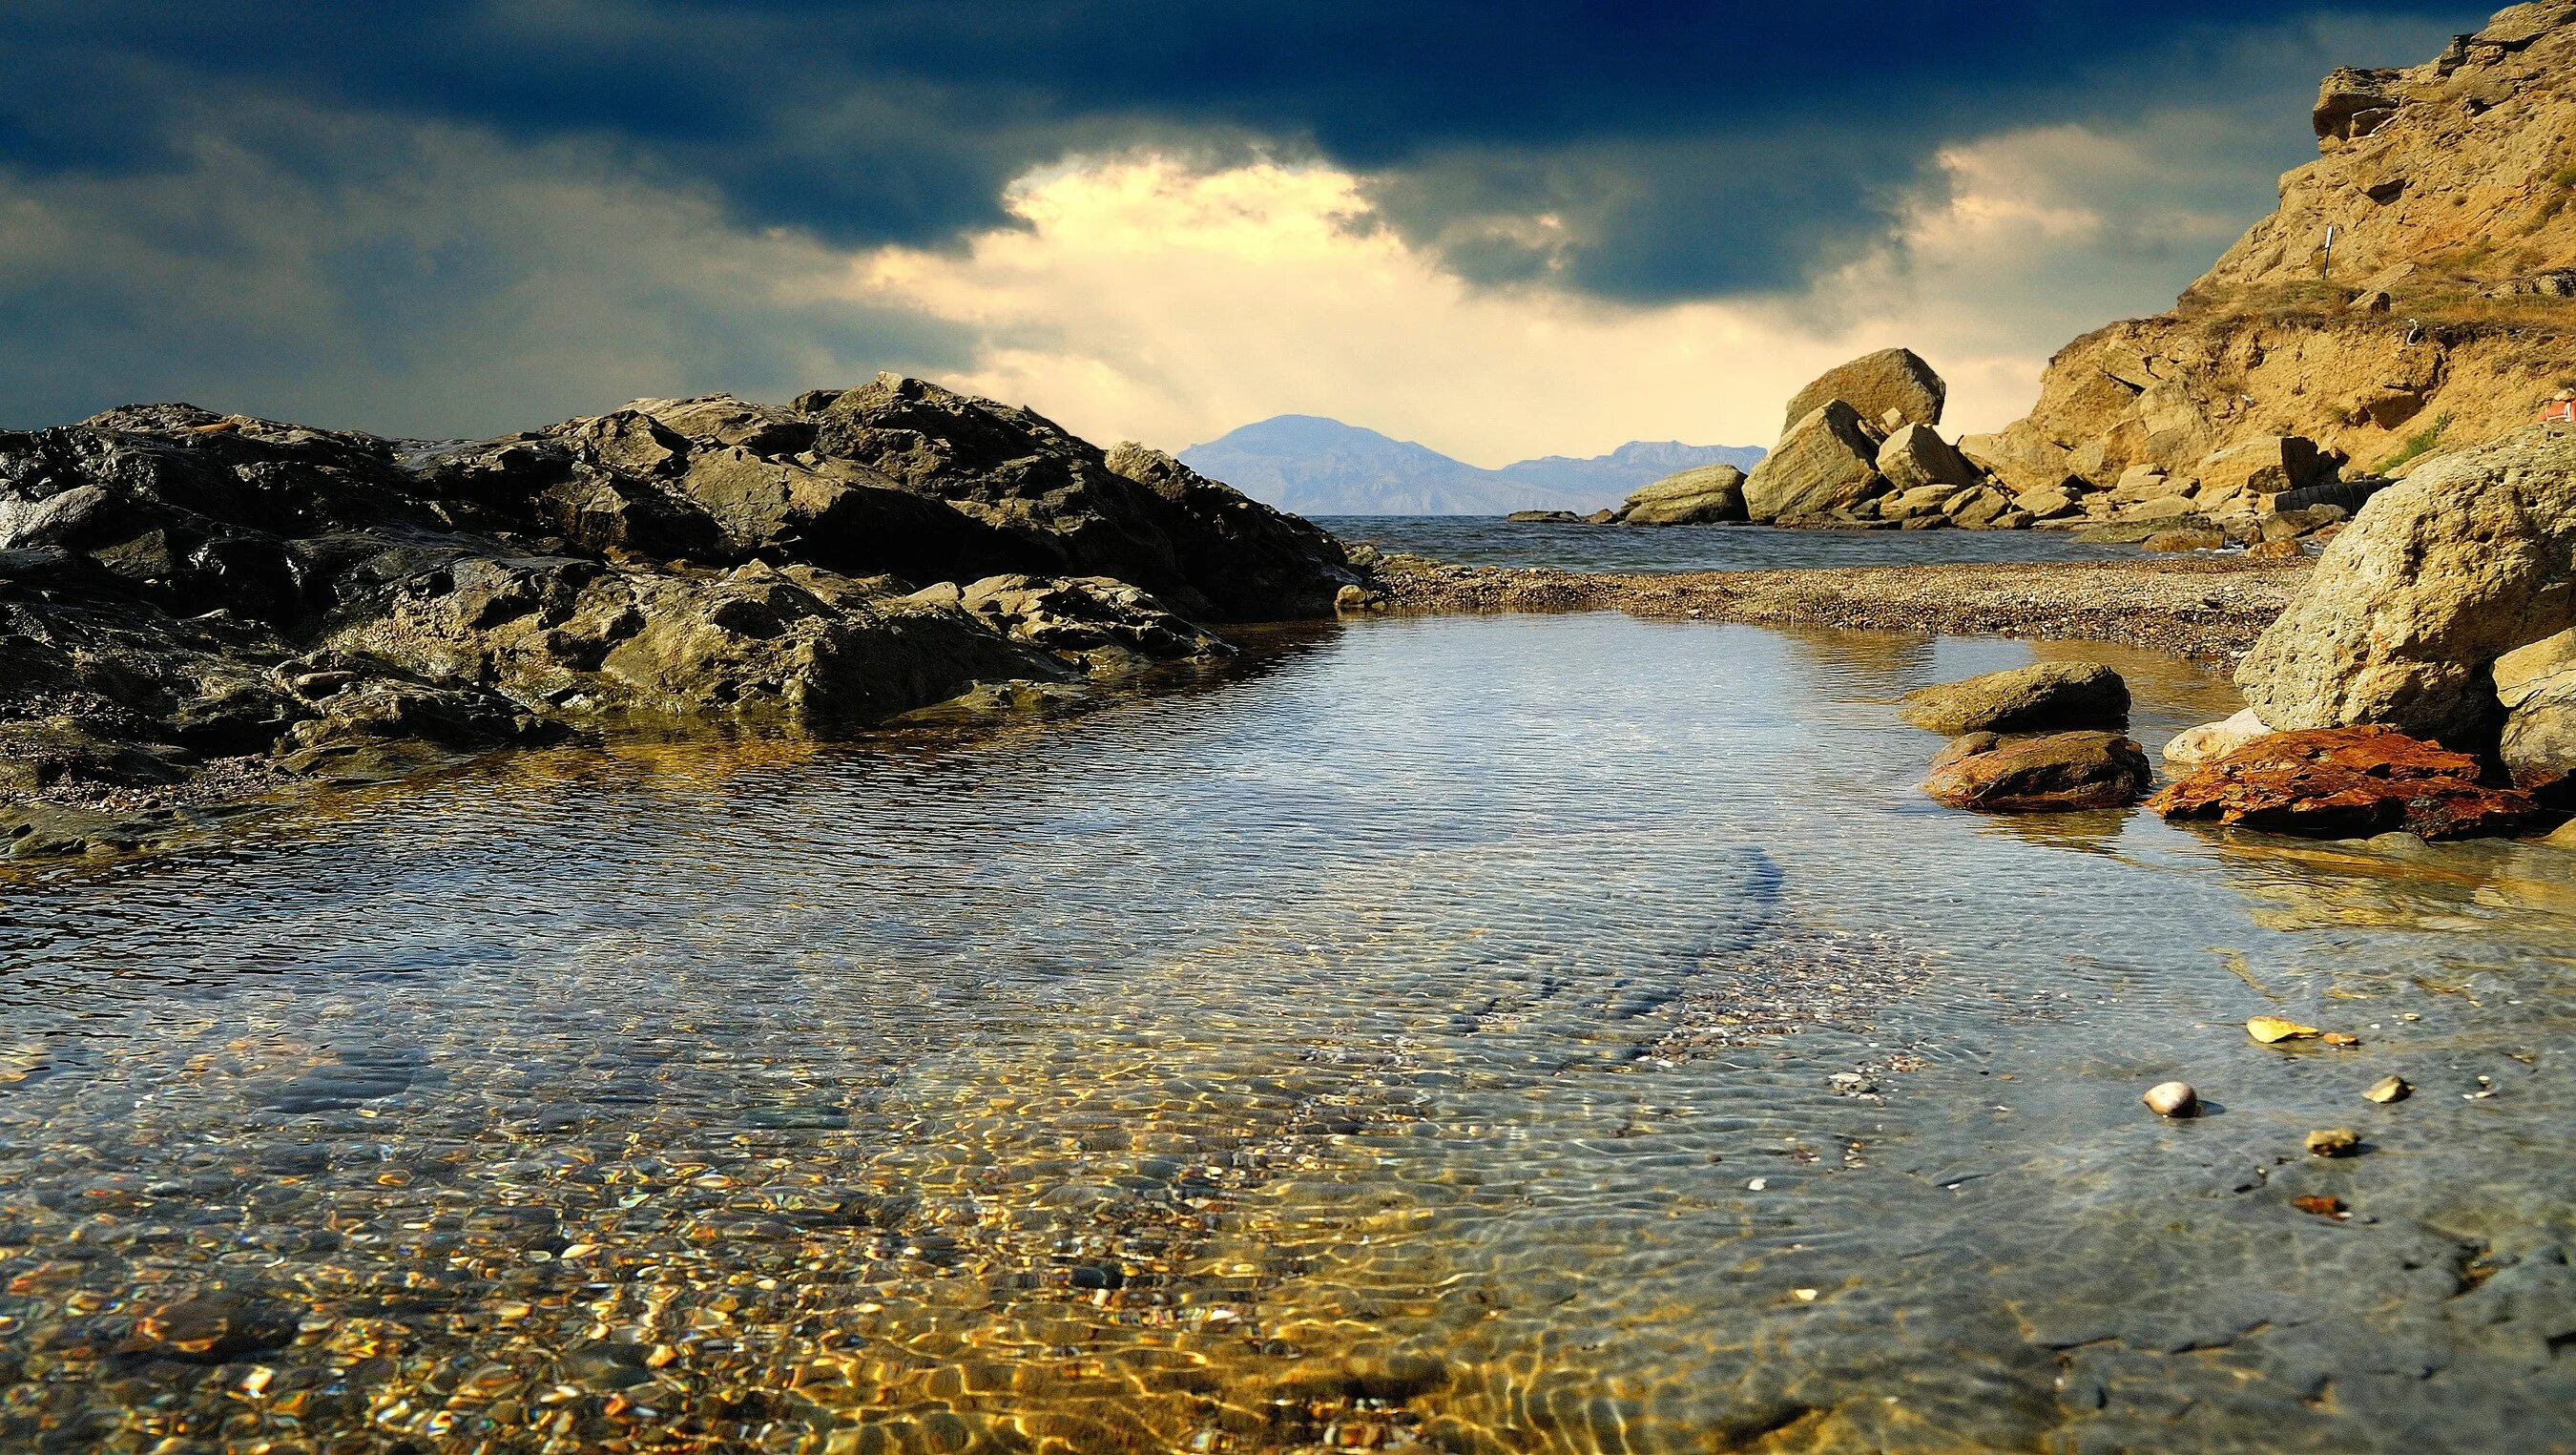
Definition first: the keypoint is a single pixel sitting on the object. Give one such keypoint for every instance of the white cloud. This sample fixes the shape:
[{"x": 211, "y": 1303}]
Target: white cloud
[{"x": 1145, "y": 297}]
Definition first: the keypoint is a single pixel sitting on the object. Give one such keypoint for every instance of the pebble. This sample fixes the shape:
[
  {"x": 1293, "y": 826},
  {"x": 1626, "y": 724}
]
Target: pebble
[
  {"x": 2387, "y": 1089},
  {"x": 2339, "y": 1142},
  {"x": 2172, "y": 1099}
]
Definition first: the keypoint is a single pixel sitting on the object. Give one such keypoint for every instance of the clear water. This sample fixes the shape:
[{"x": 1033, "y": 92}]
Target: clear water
[
  {"x": 1423, "y": 1037},
  {"x": 1477, "y": 540}
]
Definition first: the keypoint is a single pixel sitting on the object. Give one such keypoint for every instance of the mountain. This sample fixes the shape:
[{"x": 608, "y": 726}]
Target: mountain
[
  {"x": 1317, "y": 466},
  {"x": 2414, "y": 293}
]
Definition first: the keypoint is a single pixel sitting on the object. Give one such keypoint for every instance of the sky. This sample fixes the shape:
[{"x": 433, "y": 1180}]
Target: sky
[{"x": 1503, "y": 229}]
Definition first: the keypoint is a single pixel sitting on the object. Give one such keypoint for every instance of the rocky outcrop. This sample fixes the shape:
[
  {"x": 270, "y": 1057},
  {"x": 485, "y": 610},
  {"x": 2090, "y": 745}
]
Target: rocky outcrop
[
  {"x": 1861, "y": 452},
  {"x": 1827, "y": 462},
  {"x": 2346, "y": 783},
  {"x": 2413, "y": 602},
  {"x": 1709, "y": 495},
  {"x": 2044, "y": 697},
  {"x": 179, "y": 589},
  {"x": 2057, "y": 772},
  {"x": 1890, "y": 389},
  {"x": 2449, "y": 191},
  {"x": 1915, "y": 457}
]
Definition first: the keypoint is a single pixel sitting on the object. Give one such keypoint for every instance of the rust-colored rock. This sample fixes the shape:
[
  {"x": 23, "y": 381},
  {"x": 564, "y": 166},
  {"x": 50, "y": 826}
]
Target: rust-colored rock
[
  {"x": 2058, "y": 772},
  {"x": 2346, "y": 783}
]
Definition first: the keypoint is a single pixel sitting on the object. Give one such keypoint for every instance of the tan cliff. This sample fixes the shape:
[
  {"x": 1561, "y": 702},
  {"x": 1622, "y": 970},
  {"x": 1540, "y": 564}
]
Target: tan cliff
[{"x": 2442, "y": 315}]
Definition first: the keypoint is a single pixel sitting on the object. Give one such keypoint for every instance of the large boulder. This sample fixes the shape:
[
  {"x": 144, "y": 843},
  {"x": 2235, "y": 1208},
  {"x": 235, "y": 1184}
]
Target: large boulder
[
  {"x": 1709, "y": 495},
  {"x": 2346, "y": 783},
  {"x": 1828, "y": 461},
  {"x": 1915, "y": 456},
  {"x": 2054, "y": 773},
  {"x": 2536, "y": 686},
  {"x": 1891, "y": 381},
  {"x": 2043, "y": 697},
  {"x": 2467, "y": 559}
]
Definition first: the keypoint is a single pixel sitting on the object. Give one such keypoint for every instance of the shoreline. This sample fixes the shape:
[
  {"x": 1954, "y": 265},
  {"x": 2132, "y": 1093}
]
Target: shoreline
[{"x": 2203, "y": 607}]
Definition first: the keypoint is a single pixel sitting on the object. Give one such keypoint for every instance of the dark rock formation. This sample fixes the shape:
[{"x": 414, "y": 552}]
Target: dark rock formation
[{"x": 179, "y": 587}]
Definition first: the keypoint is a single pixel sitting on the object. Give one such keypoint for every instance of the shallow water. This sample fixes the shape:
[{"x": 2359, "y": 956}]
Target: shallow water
[
  {"x": 1424, "y": 1036},
  {"x": 1482, "y": 540}
]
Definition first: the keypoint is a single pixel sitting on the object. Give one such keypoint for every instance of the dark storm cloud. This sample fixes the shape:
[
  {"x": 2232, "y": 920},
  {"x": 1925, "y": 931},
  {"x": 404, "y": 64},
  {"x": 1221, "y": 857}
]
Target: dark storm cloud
[
  {"x": 445, "y": 216},
  {"x": 1695, "y": 149}
]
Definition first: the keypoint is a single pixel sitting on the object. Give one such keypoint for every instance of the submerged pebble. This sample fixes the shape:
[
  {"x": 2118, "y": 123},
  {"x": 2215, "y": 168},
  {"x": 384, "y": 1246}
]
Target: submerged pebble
[{"x": 2337, "y": 1142}]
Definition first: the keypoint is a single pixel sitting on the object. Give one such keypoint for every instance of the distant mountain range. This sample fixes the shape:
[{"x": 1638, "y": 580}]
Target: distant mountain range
[{"x": 1317, "y": 466}]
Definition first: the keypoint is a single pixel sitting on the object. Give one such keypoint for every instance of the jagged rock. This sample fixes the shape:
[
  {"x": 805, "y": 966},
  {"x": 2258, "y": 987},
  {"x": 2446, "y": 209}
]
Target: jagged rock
[
  {"x": 2437, "y": 577},
  {"x": 2536, "y": 687},
  {"x": 1089, "y": 619},
  {"x": 2345, "y": 783},
  {"x": 1891, "y": 381},
  {"x": 1142, "y": 517},
  {"x": 2211, "y": 741},
  {"x": 2352, "y": 103},
  {"x": 1916, "y": 456},
  {"x": 179, "y": 588},
  {"x": 2043, "y": 697},
  {"x": 2055, "y": 773},
  {"x": 1544, "y": 517},
  {"x": 1828, "y": 461},
  {"x": 1711, "y": 494}
]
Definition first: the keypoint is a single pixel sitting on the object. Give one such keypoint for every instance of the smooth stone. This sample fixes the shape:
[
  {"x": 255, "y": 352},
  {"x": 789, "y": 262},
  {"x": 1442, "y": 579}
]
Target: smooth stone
[{"x": 2172, "y": 1099}]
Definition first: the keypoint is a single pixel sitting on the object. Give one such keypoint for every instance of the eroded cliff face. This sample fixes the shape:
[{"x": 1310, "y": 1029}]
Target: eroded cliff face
[{"x": 2443, "y": 316}]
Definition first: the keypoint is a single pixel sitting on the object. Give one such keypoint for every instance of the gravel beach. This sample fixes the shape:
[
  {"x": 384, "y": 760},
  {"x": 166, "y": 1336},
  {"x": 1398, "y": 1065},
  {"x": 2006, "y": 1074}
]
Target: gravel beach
[{"x": 2207, "y": 606}]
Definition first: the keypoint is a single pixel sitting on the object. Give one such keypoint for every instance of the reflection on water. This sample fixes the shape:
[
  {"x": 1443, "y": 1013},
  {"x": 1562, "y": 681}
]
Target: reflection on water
[
  {"x": 1482, "y": 1034},
  {"x": 1485, "y": 540}
]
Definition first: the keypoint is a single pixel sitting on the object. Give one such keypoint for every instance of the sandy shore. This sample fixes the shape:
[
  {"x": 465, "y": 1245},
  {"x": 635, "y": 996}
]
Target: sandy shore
[{"x": 2201, "y": 606}]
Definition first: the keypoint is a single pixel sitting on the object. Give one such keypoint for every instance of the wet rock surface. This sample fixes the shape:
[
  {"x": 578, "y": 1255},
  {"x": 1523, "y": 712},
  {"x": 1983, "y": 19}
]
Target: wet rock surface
[
  {"x": 2047, "y": 773},
  {"x": 2347, "y": 783},
  {"x": 180, "y": 590}
]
